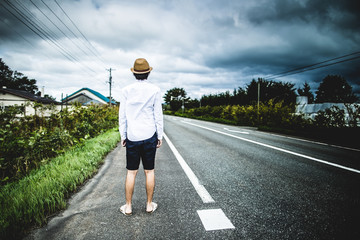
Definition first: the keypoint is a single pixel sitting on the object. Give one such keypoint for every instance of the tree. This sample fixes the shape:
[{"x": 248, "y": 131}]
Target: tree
[
  {"x": 217, "y": 99},
  {"x": 305, "y": 91},
  {"x": 192, "y": 103},
  {"x": 5, "y": 73},
  {"x": 175, "y": 97},
  {"x": 238, "y": 97},
  {"x": 16, "y": 80},
  {"x": 277, "y": 91},
  {"x": 335, "y": 89}
]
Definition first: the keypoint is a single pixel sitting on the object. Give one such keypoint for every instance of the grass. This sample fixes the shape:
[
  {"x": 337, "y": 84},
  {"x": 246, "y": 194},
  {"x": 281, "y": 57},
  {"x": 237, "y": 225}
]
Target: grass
[{"x": 45, "y": 191}]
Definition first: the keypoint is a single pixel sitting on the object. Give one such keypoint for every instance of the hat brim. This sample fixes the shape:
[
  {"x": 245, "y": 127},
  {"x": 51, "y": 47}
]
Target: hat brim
[{"x": 141, "y": 72}]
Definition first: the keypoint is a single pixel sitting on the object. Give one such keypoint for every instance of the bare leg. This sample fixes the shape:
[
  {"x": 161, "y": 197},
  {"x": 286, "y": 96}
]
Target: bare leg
[
  {"x": 150, "y": 186},
  {"x": 129, "y": 188}
]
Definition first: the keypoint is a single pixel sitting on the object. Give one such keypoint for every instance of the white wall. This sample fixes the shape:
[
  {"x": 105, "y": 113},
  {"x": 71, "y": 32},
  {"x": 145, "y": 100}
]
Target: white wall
[{"x": 11, "y": 100}]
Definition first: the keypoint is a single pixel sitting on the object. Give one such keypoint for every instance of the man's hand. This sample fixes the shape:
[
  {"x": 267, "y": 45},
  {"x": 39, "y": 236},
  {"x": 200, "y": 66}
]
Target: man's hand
[
  {"x": 123, "y": 143},
  {"x": 159, "y": 143}
]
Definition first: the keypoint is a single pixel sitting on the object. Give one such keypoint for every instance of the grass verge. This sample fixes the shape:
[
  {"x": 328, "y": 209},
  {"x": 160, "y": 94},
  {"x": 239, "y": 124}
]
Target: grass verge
[{"x": 44, "y": 191}]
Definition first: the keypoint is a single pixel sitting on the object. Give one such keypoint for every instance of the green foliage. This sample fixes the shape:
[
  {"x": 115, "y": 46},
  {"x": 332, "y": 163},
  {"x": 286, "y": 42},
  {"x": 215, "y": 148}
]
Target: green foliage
[
  {"x": 306, "y": 91},
  {"x": 44, "y": 191},
  {"x": 271, "y": 114},
  {"x": 354, "y": 114},
  {"x": 335, "y": 89},
  {"x": 333, "y": 117},
  {"x": 175, "y": 97},
  {"x": 27, "y": 142},
  {"x": 269, "y": 90},
  {"x": 217, "y": 99},
  {"x": 332, "y": 125},
  {"x": 16, "y": 80}
]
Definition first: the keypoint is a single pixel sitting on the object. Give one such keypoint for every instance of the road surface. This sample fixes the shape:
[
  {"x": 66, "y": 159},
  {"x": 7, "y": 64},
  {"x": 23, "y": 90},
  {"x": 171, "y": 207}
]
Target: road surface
[{"x": 216, "y": 181}]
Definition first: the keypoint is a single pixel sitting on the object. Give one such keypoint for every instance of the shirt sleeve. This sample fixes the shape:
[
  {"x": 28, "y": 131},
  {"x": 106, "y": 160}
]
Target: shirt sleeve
[
  {"x": 122, "y": 117},
  {"x": 158, "y": 115}
]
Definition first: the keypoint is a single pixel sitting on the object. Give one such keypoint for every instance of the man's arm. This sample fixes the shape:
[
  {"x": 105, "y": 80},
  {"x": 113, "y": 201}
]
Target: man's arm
[
  {"x": 122, "y": 120},
  {"x": 159, "y": 119}
]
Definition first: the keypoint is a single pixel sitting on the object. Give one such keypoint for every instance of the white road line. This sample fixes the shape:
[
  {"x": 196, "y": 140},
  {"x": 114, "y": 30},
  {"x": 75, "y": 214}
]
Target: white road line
[
  {"x": 319, "y": 143},
  {"x": 214, "y": 219},
  {"x": 279, "y": 149},
  {"x": 200, "y": 189},
  {"x": 236, "y": 131}
]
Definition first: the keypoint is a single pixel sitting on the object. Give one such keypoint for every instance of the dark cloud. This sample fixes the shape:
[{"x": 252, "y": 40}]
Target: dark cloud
[
  {"x": 343, "y": 15},
  {"x": 282, "y": 35},
  {"x": 203, "y": 46}
]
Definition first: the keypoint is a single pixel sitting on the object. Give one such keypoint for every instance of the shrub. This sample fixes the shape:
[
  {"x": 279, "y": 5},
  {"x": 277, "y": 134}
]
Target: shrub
[
  {"x": 333, "y": 117},
  {"x": 27, "y": 142},
  {"x": 44, "y": 191}
]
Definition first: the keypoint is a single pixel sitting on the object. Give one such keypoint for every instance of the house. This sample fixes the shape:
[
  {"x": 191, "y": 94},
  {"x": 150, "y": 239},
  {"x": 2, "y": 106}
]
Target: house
[
  {"x": 311, "y": 110},
  {"x": 87, "y": 96},
  {"x": 25, "y": 100}
]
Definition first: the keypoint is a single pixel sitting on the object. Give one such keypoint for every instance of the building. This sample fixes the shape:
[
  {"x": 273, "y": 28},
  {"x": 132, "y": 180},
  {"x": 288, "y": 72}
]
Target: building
[
  {"x": 86, "y": 96},
  {"x": 311, "y": 110},
  {"x": 26, "y": 101}
]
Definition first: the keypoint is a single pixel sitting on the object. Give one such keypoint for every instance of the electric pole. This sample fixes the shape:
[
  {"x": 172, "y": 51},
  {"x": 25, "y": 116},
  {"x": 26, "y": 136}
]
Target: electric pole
[
  {"x": 258, "y": 102},
  {"x": 110, "y": 83}
]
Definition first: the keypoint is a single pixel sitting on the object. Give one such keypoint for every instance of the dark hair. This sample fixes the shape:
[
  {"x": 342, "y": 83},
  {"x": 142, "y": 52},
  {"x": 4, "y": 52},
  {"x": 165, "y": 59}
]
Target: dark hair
[{"x": 141, "y": 76}]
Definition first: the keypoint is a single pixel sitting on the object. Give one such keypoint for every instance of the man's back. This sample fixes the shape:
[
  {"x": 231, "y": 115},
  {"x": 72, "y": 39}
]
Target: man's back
[{"x": 142, "y": 109}]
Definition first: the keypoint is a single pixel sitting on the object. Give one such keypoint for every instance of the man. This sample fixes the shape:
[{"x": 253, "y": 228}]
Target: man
[{"x": 141, "y": 130}]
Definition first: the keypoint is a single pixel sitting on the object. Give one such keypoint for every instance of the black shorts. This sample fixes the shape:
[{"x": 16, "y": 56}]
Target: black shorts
[{"x": 145, "y": 150}]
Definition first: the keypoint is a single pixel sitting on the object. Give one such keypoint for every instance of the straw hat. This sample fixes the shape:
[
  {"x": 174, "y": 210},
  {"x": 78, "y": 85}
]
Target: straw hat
[{"x": 141, "y": 66}]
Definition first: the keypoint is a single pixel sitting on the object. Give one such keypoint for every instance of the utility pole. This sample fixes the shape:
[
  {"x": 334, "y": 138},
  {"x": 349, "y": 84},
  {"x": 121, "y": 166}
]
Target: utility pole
[
  {"x": 110, "y": 83},
  {"x": 258, "y": 102}
]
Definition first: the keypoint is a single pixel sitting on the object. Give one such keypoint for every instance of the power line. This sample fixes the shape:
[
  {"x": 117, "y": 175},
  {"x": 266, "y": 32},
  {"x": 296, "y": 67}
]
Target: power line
[
  {"x": 38, "y": 30},
  {"x": 92, "y": 49},
  {"x": 308, "y": 69},
  {"x": 315, "y": 66},
  {"x": 47, "y": 35},
  {"x": 58, "y": 27},
  {"x": 65, "y": 25},
  {"x": 32, "y": 15},
  {"x": 35, "y": 28},
  {"x": 355, "y": 53},
  {"x": 22, "y": 36}
]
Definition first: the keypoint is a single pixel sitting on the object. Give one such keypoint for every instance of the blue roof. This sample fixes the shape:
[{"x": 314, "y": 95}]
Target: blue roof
[{"x": 99, "y": 95}]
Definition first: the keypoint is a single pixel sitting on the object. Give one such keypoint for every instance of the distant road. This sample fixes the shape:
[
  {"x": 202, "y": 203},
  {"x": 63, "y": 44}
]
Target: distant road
[{"x": 216, "y": 181}]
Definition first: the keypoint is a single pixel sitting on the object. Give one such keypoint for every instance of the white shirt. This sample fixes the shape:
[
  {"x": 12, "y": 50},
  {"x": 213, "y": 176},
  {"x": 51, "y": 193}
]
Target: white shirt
[{"x": 140, "y": 114}]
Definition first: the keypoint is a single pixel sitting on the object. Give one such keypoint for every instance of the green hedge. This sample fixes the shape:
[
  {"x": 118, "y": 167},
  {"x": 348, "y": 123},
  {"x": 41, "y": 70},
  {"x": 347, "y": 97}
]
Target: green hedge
[
  {"x": 329, "y": 125},
  {"x": 44, "y": 191},
  {"x": 267, "y": 114},
  {"x": 28, "y": 142}
]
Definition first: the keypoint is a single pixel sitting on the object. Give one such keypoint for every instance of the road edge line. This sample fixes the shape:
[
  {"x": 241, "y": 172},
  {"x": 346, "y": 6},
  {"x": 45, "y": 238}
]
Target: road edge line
[
  {"x": 200, "y": 189},
  {"x": 279, "y": 149}
]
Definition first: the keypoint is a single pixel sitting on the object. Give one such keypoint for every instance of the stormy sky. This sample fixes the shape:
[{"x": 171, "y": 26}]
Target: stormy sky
[{"x": 203, "y": 46}]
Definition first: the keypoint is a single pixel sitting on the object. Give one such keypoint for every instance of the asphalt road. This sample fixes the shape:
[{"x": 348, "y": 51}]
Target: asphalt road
[{"x": 265, "y": 186}]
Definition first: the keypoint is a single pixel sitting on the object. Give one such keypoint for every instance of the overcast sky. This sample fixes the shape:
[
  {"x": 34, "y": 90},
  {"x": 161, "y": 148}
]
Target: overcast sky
[{"x": 202, "y": 46}]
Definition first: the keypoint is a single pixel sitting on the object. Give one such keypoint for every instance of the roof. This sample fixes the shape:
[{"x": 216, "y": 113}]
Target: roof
[
  {"x": 28, "y": 95},
  {"x": 99, "y": 95}
]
